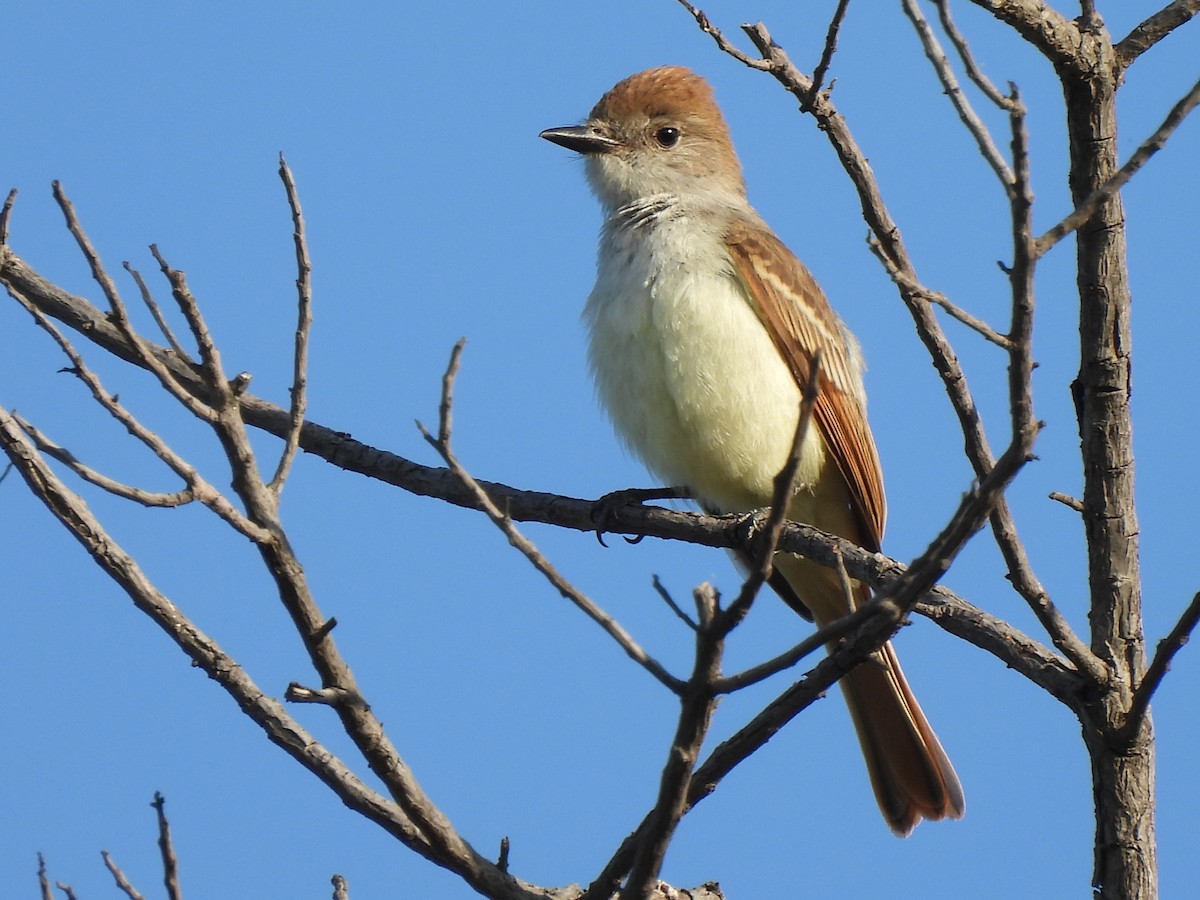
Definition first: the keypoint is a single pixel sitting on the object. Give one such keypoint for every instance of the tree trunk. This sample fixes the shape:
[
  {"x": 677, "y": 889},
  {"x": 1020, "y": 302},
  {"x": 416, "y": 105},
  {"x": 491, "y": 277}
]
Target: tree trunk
[{"x": 1122, "y": 774}]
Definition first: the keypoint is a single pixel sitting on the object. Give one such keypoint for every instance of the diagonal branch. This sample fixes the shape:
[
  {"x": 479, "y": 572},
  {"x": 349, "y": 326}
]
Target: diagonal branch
[
  {"x": 831, "y": 39},
  {"x": 723, "y": 42},
  {"x": 100, "y": 480},
  {"x": 968, "y": 58},
  {"x": 966, "y": 113},
  {"x": 879, "y": 626},
  {"x": 123, "y": 883},
  {"x": 271, "y": 716},
  {"x": 120, "y": 314},
  {"x": 910, "y": 287},
  {"x": 1167, "y": 648},
  {"x": 1085, "y": 210},
  {"x": 1153, "y": 29},
  {"x": 504, "y": 522},
  {"x": 156, "y": 311},
  {"x": 1056, "y": 36}
]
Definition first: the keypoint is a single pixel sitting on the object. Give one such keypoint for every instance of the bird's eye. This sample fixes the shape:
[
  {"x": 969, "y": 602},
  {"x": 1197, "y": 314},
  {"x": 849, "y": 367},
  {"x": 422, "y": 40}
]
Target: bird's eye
[{"x": 667, "y": 137}]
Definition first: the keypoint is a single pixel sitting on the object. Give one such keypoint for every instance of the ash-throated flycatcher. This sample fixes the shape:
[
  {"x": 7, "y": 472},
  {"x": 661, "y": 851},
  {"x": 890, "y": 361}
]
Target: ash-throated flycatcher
[{"x": 702, "y": 329}]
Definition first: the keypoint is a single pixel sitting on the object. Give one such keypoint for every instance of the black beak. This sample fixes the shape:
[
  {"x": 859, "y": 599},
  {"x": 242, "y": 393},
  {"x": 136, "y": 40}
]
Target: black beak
[{"x": 581, "y": 138}]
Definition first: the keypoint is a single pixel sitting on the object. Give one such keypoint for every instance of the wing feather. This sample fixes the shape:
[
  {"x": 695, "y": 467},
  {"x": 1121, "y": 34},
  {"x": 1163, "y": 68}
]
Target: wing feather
[{"x": 799, "y": 319}]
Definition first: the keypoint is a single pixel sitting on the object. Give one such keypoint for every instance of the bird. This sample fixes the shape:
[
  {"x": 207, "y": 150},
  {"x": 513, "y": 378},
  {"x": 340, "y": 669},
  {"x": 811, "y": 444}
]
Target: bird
[{"x": 702, "y": 327}]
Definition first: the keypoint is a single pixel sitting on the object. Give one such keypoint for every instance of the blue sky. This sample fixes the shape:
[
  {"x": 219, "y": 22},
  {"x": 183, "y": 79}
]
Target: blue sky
[{"x": 435, "y": 212}]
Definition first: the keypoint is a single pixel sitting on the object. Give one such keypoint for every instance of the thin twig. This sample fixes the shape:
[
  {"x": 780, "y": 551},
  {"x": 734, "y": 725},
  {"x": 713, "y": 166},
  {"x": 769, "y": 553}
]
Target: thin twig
[
  {"x": 1024, "y": 426},
  {"x": 151, "y": 304},
  {"x": 905, "y": 282},
  {"x": 968, "y": 59},
  {"x": 527, "y": 548},
  {"x": 832, "y": 632},
  {"x": 120, "y": 314},
  {"x": 967, "y": 114},
  {"x": 1085, "y": 210},
  {"x": 831, "y": 39},
  {"x": 210, "y": 358},
  {"x": 723, "y": 42},
  {"x": 662, "y": 591},
  {"x": 299, "y": 390},
  {"x": 1067, "y": 500},
  {"x": 1167, "y": 648},
  {"x": 99, "y": 274},
  {"x": 197, "y": 485},
  {"x": 87, "y": 473}
]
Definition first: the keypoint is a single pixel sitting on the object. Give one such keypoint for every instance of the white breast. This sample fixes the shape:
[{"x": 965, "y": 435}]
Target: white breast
[{"x": 685, "y": 369}]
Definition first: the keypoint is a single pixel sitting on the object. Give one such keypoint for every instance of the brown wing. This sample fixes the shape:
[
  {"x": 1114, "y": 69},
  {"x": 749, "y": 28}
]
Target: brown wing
[{"x": 795, "y": 312}]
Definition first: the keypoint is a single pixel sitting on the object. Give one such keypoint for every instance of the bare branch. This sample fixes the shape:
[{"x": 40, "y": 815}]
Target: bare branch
[
  {"x": 167, "y": 850},
  {"x": 1067, "y": 500},
  {"x": 5, "y": 212},
  {"x": 968, "y": 59},
  {"x": 44, "y": 879},
  {"x": 197, "y": 486},
  {"x": 117, "y": 488},
  {"x": 299, "y": 390},
  {"x": 527, "y": 548},
  {"x": 99, "y": 274},
  {"x": 1152, "y": 30},
  {"x": 1167, "y": 648},
  {"x": 156, "y": 312},
  {"x": 662, "y": 591},
  {"x": 1085, "y": 210},
  {"x": 723, "y": 42},
  {"x": 968, "y": 116},
  {"x": 827, "y": 635},
  {"x": 122, "y": 882},
  {"x": 917, "y": 291},
  {"x": 1052, "y": 33},
  {"x": 119, "y": 311},
  {"x": 831, "y": 38},
  {"x": 1020, "y": 276},
  {"x": 695, "y": 715},
  {"x": 724, "y": 758}
]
